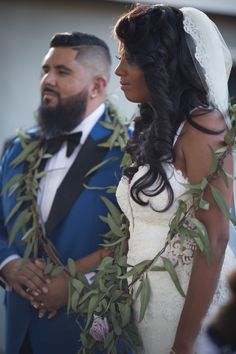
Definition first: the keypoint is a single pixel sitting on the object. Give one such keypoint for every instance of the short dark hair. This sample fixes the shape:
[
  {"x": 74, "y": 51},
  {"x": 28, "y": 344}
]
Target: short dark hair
[{"x": 88, "y": 46}]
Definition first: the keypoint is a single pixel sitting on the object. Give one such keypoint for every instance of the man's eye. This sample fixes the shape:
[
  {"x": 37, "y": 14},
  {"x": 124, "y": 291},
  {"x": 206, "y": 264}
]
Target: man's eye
[{"x": 62, "y": 72}]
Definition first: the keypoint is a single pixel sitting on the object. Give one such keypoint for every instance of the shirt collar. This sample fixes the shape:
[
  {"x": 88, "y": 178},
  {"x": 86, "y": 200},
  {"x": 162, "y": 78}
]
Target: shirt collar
[{"x": 88, "y": 123}]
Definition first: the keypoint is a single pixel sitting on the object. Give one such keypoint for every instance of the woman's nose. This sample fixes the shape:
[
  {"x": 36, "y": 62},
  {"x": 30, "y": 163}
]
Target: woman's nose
[{"x": 118, "y": 70}]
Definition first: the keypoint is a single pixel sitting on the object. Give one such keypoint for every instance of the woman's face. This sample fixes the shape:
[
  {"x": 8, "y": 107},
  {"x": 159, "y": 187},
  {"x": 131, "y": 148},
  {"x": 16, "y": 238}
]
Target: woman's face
[{"x": 132, "y": 80}]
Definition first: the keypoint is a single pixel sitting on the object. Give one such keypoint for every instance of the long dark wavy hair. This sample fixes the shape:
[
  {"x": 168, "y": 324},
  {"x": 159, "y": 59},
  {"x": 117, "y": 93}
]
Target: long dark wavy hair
[{"x": 153, "y": 38}]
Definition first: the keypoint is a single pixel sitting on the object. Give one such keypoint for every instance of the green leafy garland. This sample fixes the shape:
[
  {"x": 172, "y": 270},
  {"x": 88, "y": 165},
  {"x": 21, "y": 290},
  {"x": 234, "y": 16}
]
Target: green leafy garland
[{"x": 110, "y": 297}]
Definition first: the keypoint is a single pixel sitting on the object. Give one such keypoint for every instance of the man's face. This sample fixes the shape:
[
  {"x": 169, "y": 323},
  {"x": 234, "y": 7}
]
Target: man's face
[
  {"x": 64, "y": 91},
  {"x": 62, "y": 76}
]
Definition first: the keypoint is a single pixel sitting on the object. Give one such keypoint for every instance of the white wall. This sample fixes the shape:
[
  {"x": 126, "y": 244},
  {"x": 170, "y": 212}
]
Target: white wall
[{"x": 26, "y": 29}]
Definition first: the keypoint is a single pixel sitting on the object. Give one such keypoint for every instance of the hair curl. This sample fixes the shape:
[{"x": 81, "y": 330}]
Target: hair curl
[{"x": 153, "y": 38}]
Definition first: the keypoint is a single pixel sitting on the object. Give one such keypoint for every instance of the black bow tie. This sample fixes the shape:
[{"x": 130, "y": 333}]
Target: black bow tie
[{"x": 53, "y": 145}]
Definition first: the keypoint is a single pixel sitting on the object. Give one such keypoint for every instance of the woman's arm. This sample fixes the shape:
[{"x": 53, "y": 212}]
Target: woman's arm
[
  {"x": 204, "y": 277},
  {"x": 90, "y": 262}
]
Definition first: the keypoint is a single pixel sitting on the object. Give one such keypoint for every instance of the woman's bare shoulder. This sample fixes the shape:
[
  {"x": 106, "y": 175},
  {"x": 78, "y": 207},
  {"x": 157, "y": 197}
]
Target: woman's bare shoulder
[{"x": 212, "y": 120}]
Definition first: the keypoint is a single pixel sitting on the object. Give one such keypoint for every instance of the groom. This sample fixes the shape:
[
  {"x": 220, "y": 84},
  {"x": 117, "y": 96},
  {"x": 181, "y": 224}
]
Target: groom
[{"x": 75, "y": 73}]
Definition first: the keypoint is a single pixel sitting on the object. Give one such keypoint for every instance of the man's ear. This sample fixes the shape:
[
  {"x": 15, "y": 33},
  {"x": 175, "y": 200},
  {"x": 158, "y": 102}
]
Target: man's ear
[{"x": 98, "y": 87}]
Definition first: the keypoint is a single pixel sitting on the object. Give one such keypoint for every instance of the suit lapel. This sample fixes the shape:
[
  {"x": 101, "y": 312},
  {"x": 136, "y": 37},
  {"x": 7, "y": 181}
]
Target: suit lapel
[{"x": 89, "y": 156}]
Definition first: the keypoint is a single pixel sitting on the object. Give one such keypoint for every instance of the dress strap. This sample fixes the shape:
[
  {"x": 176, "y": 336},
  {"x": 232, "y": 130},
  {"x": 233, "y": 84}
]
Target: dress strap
[{"x": 178, "y": 132}]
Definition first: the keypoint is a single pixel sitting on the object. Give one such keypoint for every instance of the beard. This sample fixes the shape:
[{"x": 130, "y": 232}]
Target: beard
[{"x": 64, "y": 117}]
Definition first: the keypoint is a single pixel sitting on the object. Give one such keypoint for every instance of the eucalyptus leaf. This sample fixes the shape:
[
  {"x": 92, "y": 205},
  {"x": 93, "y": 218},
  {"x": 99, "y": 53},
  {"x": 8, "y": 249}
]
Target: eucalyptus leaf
[
  {"x": 114, "y": 211},
  {"x": 107, "y": 125},
  {"x": 136, "y": 269},
  {"x": 21, "y": 220},
  {"x": 172, "y": 272},
  {"x": 25, "y": 152},
  {"x": 28, "y": 250},
  {"x": 214, "y": 161},
  {"x": 98, "y": 166},
  {"x": 16, "y": 179},
  {"x": 204, "y": 204},
  {"x": 224, "y": 177},
  {"x": 13, "y": 211},
  {"x": 72, "y": 267},
  {"x": 57, "y": 270},
  {"x": 114, "y": 227},
  {"x": 221, "y": 204},
  {"x": 114, "y": 136},
  {"x": 78, "y": 285},
  {"x": 144, "y": 298},
  {"x": 29, "y": 233},
  {"x": 48, "y": 268}
]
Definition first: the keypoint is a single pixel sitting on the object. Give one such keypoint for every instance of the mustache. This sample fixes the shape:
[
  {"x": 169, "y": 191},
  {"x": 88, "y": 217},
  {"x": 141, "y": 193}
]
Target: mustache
[{"x": 50, "y": 89}]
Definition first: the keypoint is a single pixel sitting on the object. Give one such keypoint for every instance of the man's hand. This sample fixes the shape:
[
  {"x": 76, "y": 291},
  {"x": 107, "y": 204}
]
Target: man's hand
[
  {"x": 27, "y": 280},
  {"x": 55, "y": 298}
]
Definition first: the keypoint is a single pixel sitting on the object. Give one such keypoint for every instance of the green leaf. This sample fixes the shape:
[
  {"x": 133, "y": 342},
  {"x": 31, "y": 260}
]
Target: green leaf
[
  {"x": 204, "y": 204},
  {"x": 93, "y": 303},
  {"x": 28, "y": 250},
  {"x": 172, "y": 272},
  {"x": 121, "y": 142},
  {"x": 136, "y": 269},
  {"x": 214, "y": 161},
  {"x": 95, "y": 188},
  {"x": 157, "y": 269},
  {"x": 16, "y": 179},
  {"x": 106, "y": 262},
  {"x": 28, "y": 233},
  {"x": 95, "y": 168},
  {"x": 221, "y": 204},
  {"x": 114, "y": 211},
  {"x": 72, "y": 267},
  {"x": 114, "y": 136},
  {"x": 125, "y": 312},
  {"x": 126, "y": 161},
  {"x": 144, "y": 298},
  {"x": 83, "y": 339},
  {"x": 114, "y": 227},
  {"x": 204, "y": 183},
  {"x": 202, "y": 234},
  {"x": 25, "y": 152},
  {"x": 21, "y": 220},
  {"x": 13, "y": 211},
  {"x": 74, "y": 300},
  {"x": 78, "y": 285},
  {"x": 107, "y": 125},
  {"x": 57, "y": 270},
  {"x": 224, "y": 177},
  {"x": 229, "y": 137},
  {"x": 182, "y": 207},
  {"x": 48, "y": 268}
]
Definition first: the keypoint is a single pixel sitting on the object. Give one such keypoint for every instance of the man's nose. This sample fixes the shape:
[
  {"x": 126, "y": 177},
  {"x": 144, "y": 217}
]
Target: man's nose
[{"x": 49, "y": 79}]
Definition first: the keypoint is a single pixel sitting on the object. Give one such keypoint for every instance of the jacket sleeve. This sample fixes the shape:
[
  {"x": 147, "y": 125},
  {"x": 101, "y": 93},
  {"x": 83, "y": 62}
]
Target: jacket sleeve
[{"x": 5, "y": 250}]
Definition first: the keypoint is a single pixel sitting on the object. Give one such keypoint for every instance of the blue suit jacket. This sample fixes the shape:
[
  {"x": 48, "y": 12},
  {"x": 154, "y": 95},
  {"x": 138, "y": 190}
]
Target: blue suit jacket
[{"x": 74, "y": 227}]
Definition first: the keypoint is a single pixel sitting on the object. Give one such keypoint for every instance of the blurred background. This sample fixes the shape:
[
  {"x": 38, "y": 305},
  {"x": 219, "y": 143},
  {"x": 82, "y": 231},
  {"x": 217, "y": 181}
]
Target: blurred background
[{"x": 26, "y": 29}]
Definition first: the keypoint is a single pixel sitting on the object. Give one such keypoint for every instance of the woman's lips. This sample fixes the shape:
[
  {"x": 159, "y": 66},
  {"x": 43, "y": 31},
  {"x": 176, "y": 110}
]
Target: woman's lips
[{"x": 124, "y": 85}]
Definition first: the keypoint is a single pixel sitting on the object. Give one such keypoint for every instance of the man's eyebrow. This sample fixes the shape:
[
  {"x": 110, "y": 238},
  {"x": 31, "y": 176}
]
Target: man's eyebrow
[
  {"x": 63, "y": 67},
  {"x": 58, "y": 67}
]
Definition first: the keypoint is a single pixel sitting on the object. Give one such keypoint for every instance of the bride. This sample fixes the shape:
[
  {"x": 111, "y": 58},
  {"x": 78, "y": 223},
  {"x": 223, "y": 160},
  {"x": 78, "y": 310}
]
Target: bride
[{"x": 176, "y": 65}]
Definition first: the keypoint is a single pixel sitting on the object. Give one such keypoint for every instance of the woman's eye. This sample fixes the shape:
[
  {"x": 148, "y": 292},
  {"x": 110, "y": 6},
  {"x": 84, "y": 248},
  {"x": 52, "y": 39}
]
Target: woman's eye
[{"x": 118, "y": 57}]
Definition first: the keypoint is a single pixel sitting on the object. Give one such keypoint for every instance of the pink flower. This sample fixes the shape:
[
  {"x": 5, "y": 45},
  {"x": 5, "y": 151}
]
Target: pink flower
[{"x": 99, "y": 328}]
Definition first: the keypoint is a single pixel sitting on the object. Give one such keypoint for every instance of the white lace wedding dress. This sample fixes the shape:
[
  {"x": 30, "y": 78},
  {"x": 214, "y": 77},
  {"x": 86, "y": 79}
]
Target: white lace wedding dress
[{"x": 148, "y": 231}]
